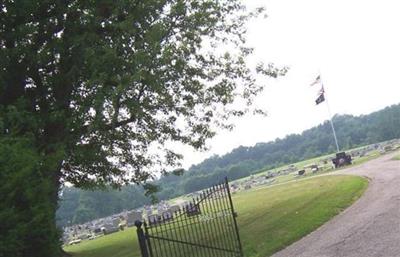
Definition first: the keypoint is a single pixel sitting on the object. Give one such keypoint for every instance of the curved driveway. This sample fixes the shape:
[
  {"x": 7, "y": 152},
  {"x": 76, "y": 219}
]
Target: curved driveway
[{"x": 368, "y": 228}]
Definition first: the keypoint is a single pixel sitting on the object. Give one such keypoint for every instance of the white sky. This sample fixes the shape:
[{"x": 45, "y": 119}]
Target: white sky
[{"x": 355, "y": 44}]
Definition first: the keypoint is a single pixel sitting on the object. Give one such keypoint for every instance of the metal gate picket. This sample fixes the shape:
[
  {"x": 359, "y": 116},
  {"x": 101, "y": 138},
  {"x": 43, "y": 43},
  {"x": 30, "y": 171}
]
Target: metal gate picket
[{"x": 205, "y": 227}]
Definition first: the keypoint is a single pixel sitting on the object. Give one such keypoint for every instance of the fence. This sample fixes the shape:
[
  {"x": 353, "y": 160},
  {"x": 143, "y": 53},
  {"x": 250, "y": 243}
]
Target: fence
[{"x": 204, "y": 227}]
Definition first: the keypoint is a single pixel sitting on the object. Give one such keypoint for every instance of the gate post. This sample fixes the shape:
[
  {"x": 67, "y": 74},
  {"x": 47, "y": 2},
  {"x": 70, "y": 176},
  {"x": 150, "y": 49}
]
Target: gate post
[
  {"x": 142, "y": 239},
  {"x": 234, "y": 215}
]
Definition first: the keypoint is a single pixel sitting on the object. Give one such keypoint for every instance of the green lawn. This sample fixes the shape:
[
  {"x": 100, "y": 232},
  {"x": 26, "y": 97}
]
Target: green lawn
[
  {"x": 327, "y": 168},
  {"x": 269, "y": 219},
  {"x": 396, "y": 158}
]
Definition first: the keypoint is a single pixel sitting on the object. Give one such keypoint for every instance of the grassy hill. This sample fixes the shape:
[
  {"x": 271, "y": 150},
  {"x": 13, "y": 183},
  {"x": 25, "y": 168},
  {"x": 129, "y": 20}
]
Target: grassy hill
[{"x": 270, "y": 218}]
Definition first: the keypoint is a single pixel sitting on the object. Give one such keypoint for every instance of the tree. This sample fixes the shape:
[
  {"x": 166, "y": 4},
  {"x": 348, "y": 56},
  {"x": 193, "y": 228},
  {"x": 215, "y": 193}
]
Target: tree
[{"x": 90, "y": 87}]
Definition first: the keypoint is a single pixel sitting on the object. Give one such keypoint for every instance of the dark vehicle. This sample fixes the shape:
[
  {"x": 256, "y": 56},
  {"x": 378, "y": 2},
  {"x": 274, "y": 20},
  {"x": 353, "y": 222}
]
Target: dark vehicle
[
  {"x": 341, "y": 159},
  {"x": 301, "y": 172}
]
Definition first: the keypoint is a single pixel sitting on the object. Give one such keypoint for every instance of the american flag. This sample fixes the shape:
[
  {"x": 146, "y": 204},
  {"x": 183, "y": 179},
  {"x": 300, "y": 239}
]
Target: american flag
[{"x": 316, "y": 81}]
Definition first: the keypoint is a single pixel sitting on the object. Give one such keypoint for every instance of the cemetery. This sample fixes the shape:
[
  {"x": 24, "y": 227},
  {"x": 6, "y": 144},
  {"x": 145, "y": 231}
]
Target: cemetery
[
  {"x": 257, "y": 213},
  {"x": 135, "y": 128},
  {"x": 164, "y": 210}
]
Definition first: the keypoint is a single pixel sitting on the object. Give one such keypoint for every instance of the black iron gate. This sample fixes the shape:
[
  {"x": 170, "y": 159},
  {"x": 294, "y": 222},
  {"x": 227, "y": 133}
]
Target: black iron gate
[{"x": 204, "y": 227}]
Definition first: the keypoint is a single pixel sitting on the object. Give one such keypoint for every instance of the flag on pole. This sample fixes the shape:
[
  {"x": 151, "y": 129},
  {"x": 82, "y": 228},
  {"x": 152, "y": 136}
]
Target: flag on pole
[
  {"x": 316, "y": 81},
  {"x": 321, "y": 97}
]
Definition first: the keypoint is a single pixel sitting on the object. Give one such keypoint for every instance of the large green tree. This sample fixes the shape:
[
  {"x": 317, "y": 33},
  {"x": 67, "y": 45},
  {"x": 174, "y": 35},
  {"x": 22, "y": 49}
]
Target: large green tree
[{"x": 93, "y": 91}]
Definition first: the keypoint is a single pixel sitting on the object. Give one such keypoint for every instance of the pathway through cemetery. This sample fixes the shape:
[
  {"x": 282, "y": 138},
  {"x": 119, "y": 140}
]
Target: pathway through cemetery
[{"x": 370, "y": 227}]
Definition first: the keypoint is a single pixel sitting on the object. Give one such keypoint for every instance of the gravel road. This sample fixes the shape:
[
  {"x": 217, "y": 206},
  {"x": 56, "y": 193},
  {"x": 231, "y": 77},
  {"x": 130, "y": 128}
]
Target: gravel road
[{"x": 370, "y": 227}]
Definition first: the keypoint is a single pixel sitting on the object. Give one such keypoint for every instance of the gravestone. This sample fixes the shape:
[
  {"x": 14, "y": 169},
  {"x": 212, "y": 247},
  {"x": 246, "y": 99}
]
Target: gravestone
[
  {"x": 174, "y": 208},
  {"x": 154, "y": 219},
  {"x": 132, "y": 217},
  {"x": 167, "y": 215},
  {"x": 192, "y": 210}
]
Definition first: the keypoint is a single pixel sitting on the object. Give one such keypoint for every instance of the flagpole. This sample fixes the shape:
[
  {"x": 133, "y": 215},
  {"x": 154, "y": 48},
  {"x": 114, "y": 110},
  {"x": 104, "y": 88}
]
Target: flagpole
[
  {"x": 331, "y": 122},
  {"x": 330, "y": 119}
]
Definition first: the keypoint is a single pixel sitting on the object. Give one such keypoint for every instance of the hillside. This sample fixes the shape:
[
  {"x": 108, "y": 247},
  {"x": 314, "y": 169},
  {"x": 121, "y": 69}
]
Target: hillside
[{"x": 79, "y": 206}]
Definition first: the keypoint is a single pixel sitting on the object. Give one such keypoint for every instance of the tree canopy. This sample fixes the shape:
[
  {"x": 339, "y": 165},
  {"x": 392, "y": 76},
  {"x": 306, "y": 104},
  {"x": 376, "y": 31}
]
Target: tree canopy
[
  {"x": 100, "y": 82},
  {"x": 89, "y": 88}
]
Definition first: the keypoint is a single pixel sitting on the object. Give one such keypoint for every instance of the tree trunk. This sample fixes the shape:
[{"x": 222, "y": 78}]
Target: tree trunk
[
  {"x": 29, "y": 202},
  {"x": 45, "y": 239}
]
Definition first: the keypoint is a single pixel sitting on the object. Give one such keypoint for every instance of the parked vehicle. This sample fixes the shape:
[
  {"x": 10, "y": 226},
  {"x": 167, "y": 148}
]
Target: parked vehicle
[{"x": 341, "y": 159}]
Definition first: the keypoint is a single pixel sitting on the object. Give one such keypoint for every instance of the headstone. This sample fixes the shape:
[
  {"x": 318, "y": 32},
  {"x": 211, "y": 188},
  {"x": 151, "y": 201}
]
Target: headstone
[
  {"x": 167, "y": 215},
  {"x": 153, "y": 219},
  {"x": 192, "y": 210},
  {"x": 183, "y": 204},
  {"x": 115, "y": 223},
  {"x": 132, "y": 217},
  {"x": 109, "y": 229},
  {"x": 160, "y": 209},
  {"x": 314, "y": 168},
  {"x": 174, "y": 208},
  {"x": 149, "y": 210},
  {"x": 269, "y": 175}
]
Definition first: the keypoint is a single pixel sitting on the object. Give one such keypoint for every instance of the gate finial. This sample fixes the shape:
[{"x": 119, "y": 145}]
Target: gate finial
[{"x": 138, "y": 223}]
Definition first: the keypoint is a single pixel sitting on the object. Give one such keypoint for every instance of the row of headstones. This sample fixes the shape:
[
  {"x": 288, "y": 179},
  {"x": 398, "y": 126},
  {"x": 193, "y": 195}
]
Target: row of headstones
[
  {"x": 252, "y": 181},
  {"x": 189, "y": 209},
  {"x": 112, "y": 224}
]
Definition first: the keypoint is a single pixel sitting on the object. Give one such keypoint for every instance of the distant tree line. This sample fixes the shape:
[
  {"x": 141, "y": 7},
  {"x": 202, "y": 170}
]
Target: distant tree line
[{"x": 78, "y": 206}]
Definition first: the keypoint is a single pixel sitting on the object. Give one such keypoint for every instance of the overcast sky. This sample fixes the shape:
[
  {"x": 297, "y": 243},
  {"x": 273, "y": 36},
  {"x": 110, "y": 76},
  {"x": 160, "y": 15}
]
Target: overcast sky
[{"x": 354, "y": 44}]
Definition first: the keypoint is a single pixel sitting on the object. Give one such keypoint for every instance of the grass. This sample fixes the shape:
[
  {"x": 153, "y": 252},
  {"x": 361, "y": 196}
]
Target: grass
[
  {"x": 270, "y": 218},
  {"x": 293, "y": 210},
  {"x": 396, "y": 157},
  {"x": 327, "y": 168}
]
